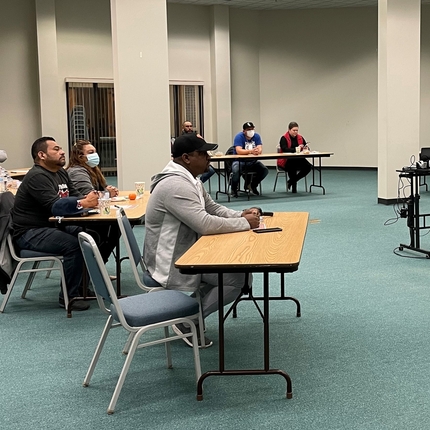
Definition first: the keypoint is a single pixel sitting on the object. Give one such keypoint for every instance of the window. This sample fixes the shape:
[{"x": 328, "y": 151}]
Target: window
[
  {"x": 91, "y": 113},
  {"x": 186, "y": 104}
]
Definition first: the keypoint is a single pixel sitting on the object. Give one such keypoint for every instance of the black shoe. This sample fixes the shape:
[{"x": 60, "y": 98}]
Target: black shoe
[
  {"x": 293, "y": 186},
  {"x": 181, "y": 329},
  {"x": 254, "y": 191},
  {"x": 234, "y": 193},
  {"x": 77, "y": 305}
]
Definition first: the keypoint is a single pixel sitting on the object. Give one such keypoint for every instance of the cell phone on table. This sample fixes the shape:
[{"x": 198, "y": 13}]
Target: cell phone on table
[{"x": 267, "y": 230}]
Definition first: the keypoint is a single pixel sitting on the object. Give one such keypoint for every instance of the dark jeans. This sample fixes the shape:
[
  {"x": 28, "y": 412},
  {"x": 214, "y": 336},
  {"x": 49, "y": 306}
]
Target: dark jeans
[
  {"x": 106, "y": 237},
  {"x": 58, "y": 242},
  {"x": 297, "y": 169},
  {"x": 261, "y": 171},
  {"x": 207, "y": 174}
]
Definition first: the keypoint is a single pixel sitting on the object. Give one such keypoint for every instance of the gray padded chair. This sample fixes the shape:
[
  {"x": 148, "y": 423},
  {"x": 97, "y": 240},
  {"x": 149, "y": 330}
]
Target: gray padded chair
[
  {"x": 138, "y": 267},
  {"x": 28, "y": 256},
  {"x": 137, "y": 315}
]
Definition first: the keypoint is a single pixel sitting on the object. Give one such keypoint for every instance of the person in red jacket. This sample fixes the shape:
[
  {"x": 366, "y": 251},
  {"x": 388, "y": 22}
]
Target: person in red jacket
[{"x": 296, "y": 168}]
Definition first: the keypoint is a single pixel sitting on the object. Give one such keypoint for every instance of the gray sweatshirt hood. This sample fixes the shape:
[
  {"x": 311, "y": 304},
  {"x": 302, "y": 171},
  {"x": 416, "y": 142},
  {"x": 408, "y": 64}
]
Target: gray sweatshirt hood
[{"x": 171, "y": 169}]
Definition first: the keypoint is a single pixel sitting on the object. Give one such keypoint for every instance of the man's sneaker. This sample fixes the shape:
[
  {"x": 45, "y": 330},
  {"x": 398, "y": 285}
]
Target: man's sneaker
[
  {"x": 254, "y": 191},
  {"x": 77, "y": 305},
  {"x": 181, "y": 329},
  {"x": 234, "y": 193}
]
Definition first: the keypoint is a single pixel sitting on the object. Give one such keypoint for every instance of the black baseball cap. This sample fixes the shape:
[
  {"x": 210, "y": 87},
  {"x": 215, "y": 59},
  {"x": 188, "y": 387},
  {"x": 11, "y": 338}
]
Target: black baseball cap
[
  {"x": 189, "y": 143},
  {"x": 248, "y": 124}
]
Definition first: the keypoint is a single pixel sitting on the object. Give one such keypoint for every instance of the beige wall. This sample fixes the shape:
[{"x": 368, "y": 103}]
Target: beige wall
[
  {"x": 317, "y": 67},
  {"x": 189, "y": 51},
  {"x": 19, "y": 96}
]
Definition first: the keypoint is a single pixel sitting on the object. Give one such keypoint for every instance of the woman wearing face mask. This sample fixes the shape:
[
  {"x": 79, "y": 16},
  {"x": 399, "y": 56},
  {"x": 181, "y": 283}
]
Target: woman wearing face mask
[
  {"x": 248, "y": 142},
  {"x": 86, "y": 176},
  {"x": 84, "y": 171}
]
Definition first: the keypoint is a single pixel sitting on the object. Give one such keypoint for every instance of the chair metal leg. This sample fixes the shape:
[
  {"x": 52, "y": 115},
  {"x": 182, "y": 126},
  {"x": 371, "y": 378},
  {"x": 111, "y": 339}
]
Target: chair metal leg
[
  {"x": 201, "y": 320},
  {"x": 30, "y": 279},
  {"x": 48, "y": 273},
  {"x": 128, "y": 343},
  {"x": 124, "y": 371},
  {"x": 10, "y": 286},
  {"x": 168, "y": 349},
  {"x": 98, "y": 351},
  {"x": 278, "y": 172}
]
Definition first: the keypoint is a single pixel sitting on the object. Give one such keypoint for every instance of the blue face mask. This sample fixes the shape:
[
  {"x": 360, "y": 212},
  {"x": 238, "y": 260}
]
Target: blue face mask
[{"x": 93, "y": 160}]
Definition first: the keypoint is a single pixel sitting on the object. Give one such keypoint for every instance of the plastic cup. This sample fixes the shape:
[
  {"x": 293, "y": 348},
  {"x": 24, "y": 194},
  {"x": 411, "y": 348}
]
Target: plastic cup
[
  {"x": 298, "y": 149},
  {"x": 140, "y": 188},
  {"x": 104, "y": 206}
]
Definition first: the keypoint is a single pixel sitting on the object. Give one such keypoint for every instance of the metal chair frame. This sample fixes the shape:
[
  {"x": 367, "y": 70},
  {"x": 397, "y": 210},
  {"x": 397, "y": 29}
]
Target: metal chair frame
[
  {"x": 136, "y": 261},
  {"x": 110, "y": 305},
  {"x": 36, "y": 259}
]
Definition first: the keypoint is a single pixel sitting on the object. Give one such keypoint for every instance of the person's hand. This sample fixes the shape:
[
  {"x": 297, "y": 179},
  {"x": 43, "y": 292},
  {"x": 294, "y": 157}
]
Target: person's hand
[
  {"x": 91, "y": 200},
  {"x": 252, "y": 215},
  {"x": 113, "y": 191},
  {"x": 253, "y": 219},
  {"x": 254, "y": 210}
]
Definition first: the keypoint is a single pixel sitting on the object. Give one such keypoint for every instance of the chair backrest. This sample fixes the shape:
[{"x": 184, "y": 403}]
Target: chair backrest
[
  {"x": 99, "y": 277},
  {"x": 133, "y": 251},
  {"x": 12, "y": 248},
  {"x": 228, "y": 164},
  {"x": 278, "y": 151},
  {"x": 129, "y": 237}
]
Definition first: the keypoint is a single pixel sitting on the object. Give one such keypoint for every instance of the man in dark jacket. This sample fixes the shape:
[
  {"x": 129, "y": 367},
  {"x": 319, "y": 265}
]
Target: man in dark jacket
[{"x": 44, "y": 187}]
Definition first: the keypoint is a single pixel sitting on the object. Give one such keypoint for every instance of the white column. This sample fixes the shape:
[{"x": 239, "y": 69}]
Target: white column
[
  {"x": 49, "y": 90},
  {"x": 220, "y": 73},
  {"x": 398, "y": 91},
  {"x": 140, "y": 64}
]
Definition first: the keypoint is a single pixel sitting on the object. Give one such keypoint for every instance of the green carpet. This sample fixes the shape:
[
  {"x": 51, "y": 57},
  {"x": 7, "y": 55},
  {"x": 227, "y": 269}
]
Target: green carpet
[{"x": 358, "y": 357}]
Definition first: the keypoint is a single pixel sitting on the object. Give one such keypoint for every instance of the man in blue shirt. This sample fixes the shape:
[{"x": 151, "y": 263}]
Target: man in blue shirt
[{"x": 249, "y": 143}]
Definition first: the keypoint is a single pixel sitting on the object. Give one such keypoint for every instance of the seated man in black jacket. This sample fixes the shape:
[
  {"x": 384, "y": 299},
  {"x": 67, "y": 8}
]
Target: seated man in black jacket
[
  {"x": 43, "y": 187},
  {"x": 297, "y": 168}
]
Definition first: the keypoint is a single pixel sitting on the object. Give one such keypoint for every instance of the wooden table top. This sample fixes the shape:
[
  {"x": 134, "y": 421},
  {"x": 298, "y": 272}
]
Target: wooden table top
[
  {"x": 18, "y": 173},
  {"x": 271, "y": 156},
  {"x": 259, "y": 252},
  {"x": 134, "y": 209}
]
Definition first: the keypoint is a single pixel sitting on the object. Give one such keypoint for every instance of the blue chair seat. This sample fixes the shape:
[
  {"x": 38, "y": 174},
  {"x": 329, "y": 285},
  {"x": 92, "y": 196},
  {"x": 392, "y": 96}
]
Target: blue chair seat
[
  {"x": 146, "y": 309},
  {"x": 27, "y": 253}
]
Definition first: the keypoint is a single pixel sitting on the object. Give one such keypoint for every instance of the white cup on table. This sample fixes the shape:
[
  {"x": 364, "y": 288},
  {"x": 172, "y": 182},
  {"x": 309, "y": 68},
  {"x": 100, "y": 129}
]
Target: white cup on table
[
  {"x": 140, "y": 188},
  {"x": 104, "y": 206}
]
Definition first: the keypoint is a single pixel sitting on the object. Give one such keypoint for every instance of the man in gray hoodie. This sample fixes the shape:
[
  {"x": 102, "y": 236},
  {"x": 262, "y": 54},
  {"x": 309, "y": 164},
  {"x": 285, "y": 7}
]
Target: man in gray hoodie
[{"x": 178, "y": 213}]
